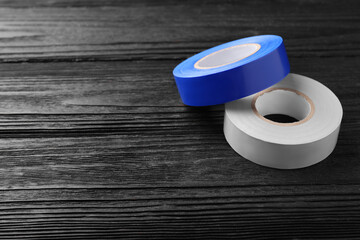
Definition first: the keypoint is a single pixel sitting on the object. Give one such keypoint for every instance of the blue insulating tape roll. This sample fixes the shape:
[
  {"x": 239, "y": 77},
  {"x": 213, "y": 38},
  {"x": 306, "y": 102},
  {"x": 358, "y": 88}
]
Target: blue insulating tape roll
[{"x": 204, "y": 81}]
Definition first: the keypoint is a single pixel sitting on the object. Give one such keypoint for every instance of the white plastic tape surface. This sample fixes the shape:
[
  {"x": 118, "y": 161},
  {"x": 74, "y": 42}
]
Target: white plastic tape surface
[{"x": 285, "y": 145}]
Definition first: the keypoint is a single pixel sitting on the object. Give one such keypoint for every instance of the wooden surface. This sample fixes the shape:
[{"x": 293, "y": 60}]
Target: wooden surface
[{"x": 95, "y": 142}]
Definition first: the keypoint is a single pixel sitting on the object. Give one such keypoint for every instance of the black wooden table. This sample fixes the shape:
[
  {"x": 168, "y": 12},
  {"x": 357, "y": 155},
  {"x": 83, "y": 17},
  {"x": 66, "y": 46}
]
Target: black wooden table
[{"x": 95, "y": 142}]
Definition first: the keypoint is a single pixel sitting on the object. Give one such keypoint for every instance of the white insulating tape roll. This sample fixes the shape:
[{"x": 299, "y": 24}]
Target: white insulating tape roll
[{"x": 285, "y": 145}]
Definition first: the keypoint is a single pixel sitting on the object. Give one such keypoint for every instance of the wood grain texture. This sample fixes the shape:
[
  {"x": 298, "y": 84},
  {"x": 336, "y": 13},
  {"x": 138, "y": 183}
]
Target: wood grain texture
[{"x": 96, "y": 144}]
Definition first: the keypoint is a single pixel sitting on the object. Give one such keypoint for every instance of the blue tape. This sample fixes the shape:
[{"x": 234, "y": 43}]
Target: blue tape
[{"x": 203, "y": 81}]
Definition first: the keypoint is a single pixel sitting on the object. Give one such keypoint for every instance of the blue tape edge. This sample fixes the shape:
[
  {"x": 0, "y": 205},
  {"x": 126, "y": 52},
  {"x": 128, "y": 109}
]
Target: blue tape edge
[{"x": 204, "y": 87}]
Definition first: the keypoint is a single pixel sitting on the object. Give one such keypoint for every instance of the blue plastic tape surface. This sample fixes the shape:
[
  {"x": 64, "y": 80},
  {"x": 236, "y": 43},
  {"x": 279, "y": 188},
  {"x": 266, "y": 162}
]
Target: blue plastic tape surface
[{"x": 232, "y": 70}]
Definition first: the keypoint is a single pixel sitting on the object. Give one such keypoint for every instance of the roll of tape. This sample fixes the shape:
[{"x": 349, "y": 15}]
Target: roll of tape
[
  {"x": 232, "y": 70},
  {"x": 285, "y": 145}
]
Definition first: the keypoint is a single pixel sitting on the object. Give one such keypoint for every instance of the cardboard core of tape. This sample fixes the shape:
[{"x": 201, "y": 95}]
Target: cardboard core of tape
[
  {"x": 283, "y": 101},
  {"x": 227, "y": 56}
]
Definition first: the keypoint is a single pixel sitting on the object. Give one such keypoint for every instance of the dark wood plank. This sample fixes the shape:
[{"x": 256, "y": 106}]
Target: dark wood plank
[
  {"x": 177, "y": 213},
  {"x": 95, "y": 142},
  {"x": 132, "y": 30}
]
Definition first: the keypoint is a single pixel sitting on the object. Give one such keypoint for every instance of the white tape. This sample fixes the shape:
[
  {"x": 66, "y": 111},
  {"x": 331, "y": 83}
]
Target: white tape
[{"x": 285, "y": 145}]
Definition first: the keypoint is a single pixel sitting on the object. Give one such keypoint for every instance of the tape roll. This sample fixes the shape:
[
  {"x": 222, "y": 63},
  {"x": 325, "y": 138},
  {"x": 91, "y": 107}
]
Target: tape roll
[
  {"x": 285, "y": 145},
  {"x": 232, "y": 70}
]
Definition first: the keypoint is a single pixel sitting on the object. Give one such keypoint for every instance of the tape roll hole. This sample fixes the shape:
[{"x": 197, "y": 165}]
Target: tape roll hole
[
  {"x": 283, "y": 106},
  {"x": 227, "y": 55}
]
